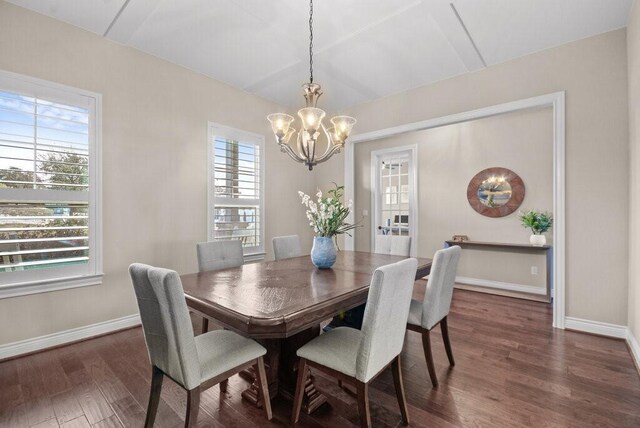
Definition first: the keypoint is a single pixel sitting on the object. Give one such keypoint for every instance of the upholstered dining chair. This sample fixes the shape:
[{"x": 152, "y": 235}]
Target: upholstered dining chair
[
  {"x": 433, "y": 310},
  {"x": 194, "y": 363},
  {"x": 285, "y": 247},
  {"x": 356, "y": 357},
  {"x": 393, "y": 245},
  {"x": 216, "y": 255},
  {"x": 384, "y": 244}
]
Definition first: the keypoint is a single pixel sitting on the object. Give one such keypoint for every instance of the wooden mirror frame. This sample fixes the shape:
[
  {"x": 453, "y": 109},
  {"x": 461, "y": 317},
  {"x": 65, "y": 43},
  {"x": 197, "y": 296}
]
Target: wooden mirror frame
[{"x": 517, "y": 192}]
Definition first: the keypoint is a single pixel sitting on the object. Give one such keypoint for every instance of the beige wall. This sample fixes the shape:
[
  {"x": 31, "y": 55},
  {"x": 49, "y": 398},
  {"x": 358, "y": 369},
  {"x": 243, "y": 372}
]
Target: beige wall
[
  {"x": 448, "y": 157},
  {"x": 593, "y": 72},
  {"x": 155, "y": 116},
  {"x": 633, "y": 49},
  {"x": 154, "y": 163}
]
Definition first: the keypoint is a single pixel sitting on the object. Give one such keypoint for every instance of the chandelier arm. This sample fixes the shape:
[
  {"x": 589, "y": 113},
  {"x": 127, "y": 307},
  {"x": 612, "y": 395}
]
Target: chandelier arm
[
  {"x": 329, "y": 151},
  {"x": 334, "y": 149},
  {"x": 293, "y": 155}
]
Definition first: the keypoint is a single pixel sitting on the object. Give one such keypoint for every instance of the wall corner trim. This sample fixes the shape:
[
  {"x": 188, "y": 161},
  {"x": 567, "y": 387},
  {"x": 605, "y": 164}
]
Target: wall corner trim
[
  {"x": 596, "y": 327},
  {"x": 634, "y": 348},
  {"x": 27, "y": 346}
]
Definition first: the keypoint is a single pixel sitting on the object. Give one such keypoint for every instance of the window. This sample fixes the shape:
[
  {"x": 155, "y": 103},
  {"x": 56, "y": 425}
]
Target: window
[
  {"x": 49, "y": 225},
  {"x": 236, "y": 171}
]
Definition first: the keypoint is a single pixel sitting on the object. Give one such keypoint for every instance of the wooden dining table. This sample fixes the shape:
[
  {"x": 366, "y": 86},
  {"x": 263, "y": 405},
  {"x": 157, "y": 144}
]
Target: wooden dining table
[{"x": 281, "y": 305}]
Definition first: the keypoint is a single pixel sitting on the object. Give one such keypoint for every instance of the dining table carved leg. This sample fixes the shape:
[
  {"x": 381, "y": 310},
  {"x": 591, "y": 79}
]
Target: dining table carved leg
[
  {"x": 272, "y": 364},
  {"x": 312, "y": 398},
  {"x": 281, "y": 364}
]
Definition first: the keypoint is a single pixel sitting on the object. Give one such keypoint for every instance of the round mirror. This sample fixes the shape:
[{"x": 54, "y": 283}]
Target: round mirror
[{"x": 495, "y": 192}]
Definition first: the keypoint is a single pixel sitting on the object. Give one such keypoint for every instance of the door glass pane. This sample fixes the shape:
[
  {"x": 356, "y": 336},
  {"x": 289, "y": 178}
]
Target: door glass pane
[{"x": 393, "y": 196}]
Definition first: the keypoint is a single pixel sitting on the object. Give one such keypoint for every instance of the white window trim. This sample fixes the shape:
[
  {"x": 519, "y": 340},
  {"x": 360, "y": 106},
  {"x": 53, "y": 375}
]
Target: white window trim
[
  {"x": 222, "y": 131},
  {"x": 41, "y": 280}
]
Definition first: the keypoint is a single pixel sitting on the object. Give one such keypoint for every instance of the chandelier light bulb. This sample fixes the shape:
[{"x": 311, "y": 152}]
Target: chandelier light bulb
[
  {"x": 280, "y": 123},
  {"x": 311, "y": 118}
]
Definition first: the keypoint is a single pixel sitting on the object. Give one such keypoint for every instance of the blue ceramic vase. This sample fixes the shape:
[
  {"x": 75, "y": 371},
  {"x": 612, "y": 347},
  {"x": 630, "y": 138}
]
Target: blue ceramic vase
[{"x": 323, "y": 253}]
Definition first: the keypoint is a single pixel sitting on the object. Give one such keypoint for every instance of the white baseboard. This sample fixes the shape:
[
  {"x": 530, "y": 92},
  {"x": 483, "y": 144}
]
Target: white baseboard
[
  {"x": 521, "y": 288},
  {"x": 67, "y": 336},
  {"x": 634, "y": 346},
  {"x": 596, "y": 327}
]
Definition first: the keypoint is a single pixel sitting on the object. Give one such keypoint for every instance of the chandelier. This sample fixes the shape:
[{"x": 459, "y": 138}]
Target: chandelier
[{"x": 312, "y": 126}]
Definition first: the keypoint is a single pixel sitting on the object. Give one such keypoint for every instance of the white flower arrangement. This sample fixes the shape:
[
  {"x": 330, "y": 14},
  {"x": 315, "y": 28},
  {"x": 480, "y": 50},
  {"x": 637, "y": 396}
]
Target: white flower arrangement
[{"x": 327, "y": 215}]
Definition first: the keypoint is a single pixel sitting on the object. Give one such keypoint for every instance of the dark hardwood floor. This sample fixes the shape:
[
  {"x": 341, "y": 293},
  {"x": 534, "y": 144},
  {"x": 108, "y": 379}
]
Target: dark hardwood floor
[{"x": 512, "y": 370}]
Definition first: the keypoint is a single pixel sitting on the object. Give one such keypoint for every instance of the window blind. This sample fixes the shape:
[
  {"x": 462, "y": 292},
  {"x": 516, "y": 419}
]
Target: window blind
[
  {"x": 44, "y": 183},
  {"x": 236, "y": 189}
]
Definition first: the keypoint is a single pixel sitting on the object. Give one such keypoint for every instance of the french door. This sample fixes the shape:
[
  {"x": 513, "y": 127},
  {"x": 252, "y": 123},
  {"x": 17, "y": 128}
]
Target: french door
[{"x": 393, "y": 177}]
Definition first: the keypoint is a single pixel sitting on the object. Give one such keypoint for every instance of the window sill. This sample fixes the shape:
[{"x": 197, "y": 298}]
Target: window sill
[
  {"x": 254, "y": 257},
  {"x": 35, "y": 287}
]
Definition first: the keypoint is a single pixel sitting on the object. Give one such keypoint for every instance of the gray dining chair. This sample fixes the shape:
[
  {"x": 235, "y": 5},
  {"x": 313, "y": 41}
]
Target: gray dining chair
[
  {"x": 216, "y": 255},
  {"x": 194, "y": 363},
  {"x": 384, "y": 244},
  {"x": 393, "y": 245},
  {"x": 356, "y": 357},
  {"x": 286, "y": 247},
  {"x": 434, "y": 309}
]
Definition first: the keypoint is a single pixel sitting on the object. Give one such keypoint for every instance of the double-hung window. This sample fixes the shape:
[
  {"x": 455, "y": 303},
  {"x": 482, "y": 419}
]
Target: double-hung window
[
  {"x": 49, "y": 189},
  {"x": 236, "y": 188}
]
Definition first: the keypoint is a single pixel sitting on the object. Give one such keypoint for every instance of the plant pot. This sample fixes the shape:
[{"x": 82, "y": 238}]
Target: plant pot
[
  {"x": 323, "y": 253},
  {"x": 538, "y": 240}
]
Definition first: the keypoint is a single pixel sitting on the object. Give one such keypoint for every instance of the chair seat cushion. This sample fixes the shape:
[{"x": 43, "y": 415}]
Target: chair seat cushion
[
  {"x": 337, "y": 349},
  {"x": 222, "y": 350},
  {"x": 415, "y": 313}
]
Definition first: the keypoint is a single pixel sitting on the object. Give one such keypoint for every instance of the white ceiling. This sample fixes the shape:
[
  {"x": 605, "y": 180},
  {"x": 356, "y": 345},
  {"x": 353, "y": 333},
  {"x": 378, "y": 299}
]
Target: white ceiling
[{"x": 363, "y": 49}]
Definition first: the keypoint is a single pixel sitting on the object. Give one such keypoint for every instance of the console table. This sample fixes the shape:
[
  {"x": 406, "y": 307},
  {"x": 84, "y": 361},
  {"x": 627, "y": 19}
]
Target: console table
[{"x": 547, "y": 249}]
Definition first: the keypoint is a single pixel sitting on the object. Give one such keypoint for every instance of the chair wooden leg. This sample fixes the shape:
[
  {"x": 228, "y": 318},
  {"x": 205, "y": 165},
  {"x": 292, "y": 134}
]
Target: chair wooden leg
[
  {"x": 426, "y": 344},
  {"x": 193, "y": 406},
  {"x": 223, "y": 386},
  {"x": 154, "y": 396},
  {"x": 447, "y": 343},
  {"x": 396, "y": 368},
  {"x": 205, "y": 325},
  {"x": 363, "y": 404},
  {"x": 263, "y": 385},
  {"x": 297, "y": 400}
]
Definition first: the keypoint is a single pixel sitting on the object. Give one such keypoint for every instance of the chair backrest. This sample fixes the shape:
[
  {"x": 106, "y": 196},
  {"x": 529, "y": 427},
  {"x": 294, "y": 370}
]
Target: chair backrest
[
  {"x": 437, "y": 299},
  {"x": 393, "y": 245},
  {"x": 285, "y": 247},
  {"x": 385, "y": 317},
  {"x": 165, "y": 320},
  {"x": 215, "y": 255}
]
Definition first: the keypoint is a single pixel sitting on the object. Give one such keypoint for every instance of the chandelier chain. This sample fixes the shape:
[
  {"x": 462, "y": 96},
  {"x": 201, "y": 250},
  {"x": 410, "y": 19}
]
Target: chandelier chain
[{"x": 311, "y": 41}]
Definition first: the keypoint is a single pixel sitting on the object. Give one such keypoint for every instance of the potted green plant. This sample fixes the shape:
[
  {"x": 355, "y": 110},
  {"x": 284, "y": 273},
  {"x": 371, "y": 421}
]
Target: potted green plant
[{"x": 539, "y": 222}]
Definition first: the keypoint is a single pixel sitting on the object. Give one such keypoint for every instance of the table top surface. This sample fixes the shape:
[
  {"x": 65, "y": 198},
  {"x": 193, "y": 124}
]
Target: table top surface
[{"x": 280, "y": 298}]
